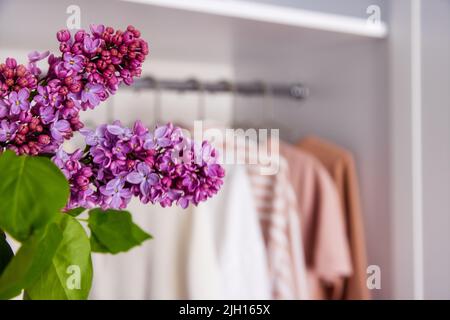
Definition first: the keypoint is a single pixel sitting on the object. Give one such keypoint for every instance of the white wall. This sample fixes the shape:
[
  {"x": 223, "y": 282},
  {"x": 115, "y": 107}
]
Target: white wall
[
  {"x": 436, "y": 147},
  {"x": 420, "y": 82}
]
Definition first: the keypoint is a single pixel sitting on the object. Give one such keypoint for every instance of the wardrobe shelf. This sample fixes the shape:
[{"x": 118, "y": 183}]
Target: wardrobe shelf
[
  {"x": 198, "y": 31},
  {"x": 274, "y": 14}
]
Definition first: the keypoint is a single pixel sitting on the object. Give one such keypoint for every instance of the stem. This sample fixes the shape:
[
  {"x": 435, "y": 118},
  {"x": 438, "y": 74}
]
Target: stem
[{"x": 83, "y": 220}]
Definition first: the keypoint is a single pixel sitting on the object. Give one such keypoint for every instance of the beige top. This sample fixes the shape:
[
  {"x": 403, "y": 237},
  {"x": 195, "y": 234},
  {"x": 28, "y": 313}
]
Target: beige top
[
  {"x": 326, "y": 247},
  {"x": 341, "y": 166}
]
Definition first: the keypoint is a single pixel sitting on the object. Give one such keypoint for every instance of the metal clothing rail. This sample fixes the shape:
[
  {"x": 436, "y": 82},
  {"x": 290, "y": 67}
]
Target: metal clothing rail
[{"x": 294, "y": 91}]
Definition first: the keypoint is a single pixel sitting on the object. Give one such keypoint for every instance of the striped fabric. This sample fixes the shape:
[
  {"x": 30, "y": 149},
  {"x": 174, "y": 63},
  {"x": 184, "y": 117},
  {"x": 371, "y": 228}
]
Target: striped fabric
[{"x": 279, "y": 217}]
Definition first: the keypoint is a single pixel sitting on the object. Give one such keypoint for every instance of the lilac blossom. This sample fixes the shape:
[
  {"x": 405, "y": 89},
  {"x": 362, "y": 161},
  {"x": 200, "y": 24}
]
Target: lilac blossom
[
  {"x": 38, "y": 112},
  {"x": 97, "y": 29},
  {"x": 91, "y": 94},
  {"x": 73, "y": 62},
  {"x": 93, "y": 137},
  {"x": 48, "y": 114},
  {"x": 89, "y": 69},
  {"x": 7, "y": 130},
  {"x": 19, "y": 101},
  {"x": 90, "y": 45},
  {"x": 143, "y": 176},
  {"x": 121, "y": 168},
  {"x": 35, "y": 56},
  {"x": 4, "y": 108},
  {"x": 117, "y": 196},
  {"x": 43, "y": 96},
  {"x": 59, "y": 129}
]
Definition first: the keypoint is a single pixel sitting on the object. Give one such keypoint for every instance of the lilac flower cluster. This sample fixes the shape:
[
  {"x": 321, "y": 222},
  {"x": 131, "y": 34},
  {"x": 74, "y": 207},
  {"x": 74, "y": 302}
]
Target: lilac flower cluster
[
  {"x": 162, "y": 166},
  {"x": 37, "y": 113}
]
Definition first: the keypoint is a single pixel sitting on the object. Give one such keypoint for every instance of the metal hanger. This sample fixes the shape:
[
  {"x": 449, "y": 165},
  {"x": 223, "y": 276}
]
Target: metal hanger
[
  {"x": 268, "y": 111},
  {"x": 157, "y": 104}
]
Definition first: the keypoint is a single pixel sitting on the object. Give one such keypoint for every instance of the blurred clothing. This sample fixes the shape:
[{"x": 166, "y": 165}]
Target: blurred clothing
[
  {"x": 213, "y": 251},
  {"x": 341, "y": 167},
  {"x": 227, "y": 228},
  {"x": 325, "y": 243},
  {"x": 280, "y": 221},
  {"x": 277, "y": 207},
  {"x": 154, "y": 270}
]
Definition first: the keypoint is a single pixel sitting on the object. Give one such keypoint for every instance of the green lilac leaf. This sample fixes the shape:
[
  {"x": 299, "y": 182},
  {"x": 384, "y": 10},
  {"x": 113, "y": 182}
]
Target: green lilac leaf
[
  {"x": 69, "y": 276},
  {"x": 33, "y": 258},
  {"x": 96, "y": 246},
  {"x": 75, "y": 212},
  {"x": 32, "y": 192},
  {"x": 113, "y": 231}
]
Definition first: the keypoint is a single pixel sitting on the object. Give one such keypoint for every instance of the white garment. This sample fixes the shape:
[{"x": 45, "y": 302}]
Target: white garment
[
  {"x": 276, "y": 204},
  {"x": 213, "y": 251},
  {"x": 230, "y": 222},
  {"x": 153, "y": 270}
]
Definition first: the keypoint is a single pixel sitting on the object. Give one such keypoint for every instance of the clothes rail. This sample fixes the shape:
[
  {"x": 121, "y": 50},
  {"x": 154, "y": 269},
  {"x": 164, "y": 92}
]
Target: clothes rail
[{"x": 294, "y": 91}]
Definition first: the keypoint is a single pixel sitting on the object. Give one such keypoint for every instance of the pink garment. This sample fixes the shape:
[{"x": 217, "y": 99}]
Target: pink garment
[{"x": 326, "y": 246}]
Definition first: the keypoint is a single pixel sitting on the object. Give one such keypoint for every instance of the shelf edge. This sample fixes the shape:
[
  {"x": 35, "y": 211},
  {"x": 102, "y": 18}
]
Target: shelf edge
[{"x": 277, "y": 15}]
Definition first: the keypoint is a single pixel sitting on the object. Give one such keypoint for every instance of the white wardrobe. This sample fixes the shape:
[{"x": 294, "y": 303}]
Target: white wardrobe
[{"x": 379, "y": 78}]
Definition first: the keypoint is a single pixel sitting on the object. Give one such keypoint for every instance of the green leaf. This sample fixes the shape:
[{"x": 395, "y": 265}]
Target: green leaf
[
  {"x": 69, "y": 277},
  {"x": 96, "y": 246},
  {"x": 33, "y": 258},
  {"x": 6, "y": 253},
  {"x": 75, "y": 212},
  {"x": 113, "y": 231},
  {"x": 32, "y": 191}
]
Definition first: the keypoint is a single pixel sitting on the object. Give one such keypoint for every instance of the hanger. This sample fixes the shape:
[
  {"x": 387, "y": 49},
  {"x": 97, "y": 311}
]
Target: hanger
[
  {"x": 156, "y": 104},
  {"x": 268, "y": 110}
]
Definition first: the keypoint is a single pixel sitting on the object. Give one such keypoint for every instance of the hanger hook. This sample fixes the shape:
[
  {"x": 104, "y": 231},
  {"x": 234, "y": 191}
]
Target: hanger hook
[
  {"x": 201, "y": 100},
  {"x": 157, "y": 102}
]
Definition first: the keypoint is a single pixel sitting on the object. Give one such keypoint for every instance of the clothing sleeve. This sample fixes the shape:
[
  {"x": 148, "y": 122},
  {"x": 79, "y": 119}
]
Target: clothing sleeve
[{"x": 331, "y": 252}]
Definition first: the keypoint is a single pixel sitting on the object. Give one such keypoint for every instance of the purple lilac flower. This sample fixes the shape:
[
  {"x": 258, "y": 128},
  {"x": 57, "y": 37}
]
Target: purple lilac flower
[
  {"x": 90, "y": 45},
  {"x": 73, "y": 62},
  {"x": 59, "y": 129},
  {"x": 97, "y": 29},
  {"x": 4, "y": 108},
  {"x": 102, "y": 157},
  {"x": 91, "y": 94},
  {"x": 82, "y": 191},
  {"x": 35, "y": 56},
  {"x": 159, "y": 166},
  {"x": 93, "y": 138},
  {"x": 55, "y": 100},
  {"x": 7, "y": 130},
  {"x": 48, "y": 114},
  {"x": 19, "y": 101},
  {"x": 121, "y": 167},
  {"x": 117, "y": 196},
  {"x": 88, "y": 70},
  {"x": 143, "y": 176},
  {"x": 43, "y": 96}
]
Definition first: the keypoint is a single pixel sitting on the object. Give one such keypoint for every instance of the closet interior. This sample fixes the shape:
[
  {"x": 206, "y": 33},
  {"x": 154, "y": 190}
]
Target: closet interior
[{"x": 301, "y": 67}]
